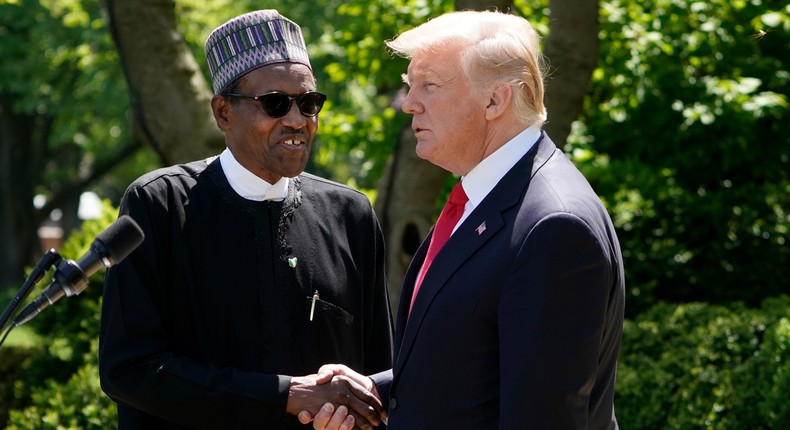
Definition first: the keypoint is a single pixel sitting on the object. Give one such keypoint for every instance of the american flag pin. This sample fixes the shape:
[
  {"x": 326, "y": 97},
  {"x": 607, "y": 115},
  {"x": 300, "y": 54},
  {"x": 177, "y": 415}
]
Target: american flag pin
[{"x": 481, "y": 228}]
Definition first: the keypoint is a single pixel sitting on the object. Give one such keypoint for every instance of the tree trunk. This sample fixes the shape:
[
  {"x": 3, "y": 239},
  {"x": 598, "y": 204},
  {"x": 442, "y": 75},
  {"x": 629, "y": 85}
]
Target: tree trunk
[
  {"x": 170, "y": 96},
  {"x": 27, "y": 153},
  {"x": 407, "y": 193},
  {"x": 21, "y": 155},
  {"x": 572, "y": 50}
]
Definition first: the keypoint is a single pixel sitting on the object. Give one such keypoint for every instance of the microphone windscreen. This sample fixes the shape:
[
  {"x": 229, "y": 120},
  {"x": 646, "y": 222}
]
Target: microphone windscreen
[{"x": 121, "y": 238}]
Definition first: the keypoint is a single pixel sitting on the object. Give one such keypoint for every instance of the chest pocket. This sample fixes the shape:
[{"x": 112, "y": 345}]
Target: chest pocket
[{"x": 324, "y": 309}]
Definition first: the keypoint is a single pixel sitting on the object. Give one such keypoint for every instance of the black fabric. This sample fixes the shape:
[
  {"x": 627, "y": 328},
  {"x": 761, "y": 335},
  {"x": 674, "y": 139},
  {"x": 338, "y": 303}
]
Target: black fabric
[{"x": 204, "y": 321}]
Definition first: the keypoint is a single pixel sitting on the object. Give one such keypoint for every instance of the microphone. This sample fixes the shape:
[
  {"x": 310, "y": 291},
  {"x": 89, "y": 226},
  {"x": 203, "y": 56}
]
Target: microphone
[{"x": 111, "y": 246}]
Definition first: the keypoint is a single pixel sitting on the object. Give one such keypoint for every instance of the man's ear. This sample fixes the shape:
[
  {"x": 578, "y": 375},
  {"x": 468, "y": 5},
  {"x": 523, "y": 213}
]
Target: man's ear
[
  {"x": 220, "y": 106},
  {"x": 499, "y": 101}
]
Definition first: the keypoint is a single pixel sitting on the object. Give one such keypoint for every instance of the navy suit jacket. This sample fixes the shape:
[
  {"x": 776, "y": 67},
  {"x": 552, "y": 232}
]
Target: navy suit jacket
[{"x": 517, "y": 323}]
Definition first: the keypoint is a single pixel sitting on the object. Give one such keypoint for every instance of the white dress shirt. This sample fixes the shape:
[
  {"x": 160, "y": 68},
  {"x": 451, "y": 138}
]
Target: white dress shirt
[{"x": 484, "y": 177}]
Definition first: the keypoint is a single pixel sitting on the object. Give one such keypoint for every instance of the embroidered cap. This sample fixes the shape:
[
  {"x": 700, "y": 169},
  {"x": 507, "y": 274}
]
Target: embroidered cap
[{"x": 250, "y": 41}]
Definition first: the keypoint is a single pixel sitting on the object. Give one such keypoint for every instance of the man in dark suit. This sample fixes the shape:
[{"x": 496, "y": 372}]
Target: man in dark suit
[{"x": 514, "y": 323}]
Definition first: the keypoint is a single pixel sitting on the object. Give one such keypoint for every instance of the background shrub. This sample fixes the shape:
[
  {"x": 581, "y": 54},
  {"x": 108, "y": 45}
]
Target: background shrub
[
  {"x": 55, "y": 383},
  {"x": 77, "y": 404},
  {"x": 706, "y": 366}
]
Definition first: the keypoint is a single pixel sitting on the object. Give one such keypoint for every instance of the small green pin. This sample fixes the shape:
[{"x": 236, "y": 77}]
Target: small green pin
[{"x": 292, "y": 262}]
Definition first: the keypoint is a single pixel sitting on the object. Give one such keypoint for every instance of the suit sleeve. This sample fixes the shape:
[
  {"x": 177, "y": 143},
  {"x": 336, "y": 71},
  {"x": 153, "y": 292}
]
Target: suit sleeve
[
  {"x": 552, "y": 318},
  {"x": 137, "y": 366},
  {"x": 383, "y": 381}
]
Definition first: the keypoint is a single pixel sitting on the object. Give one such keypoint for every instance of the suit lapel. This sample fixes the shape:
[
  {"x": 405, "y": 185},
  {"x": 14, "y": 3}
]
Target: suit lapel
[{"x": 482, "y": 224}]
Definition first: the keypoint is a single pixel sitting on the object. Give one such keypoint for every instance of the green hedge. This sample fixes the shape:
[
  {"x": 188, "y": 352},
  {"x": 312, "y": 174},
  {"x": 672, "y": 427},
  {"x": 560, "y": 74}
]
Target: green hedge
[
  {"x": 14, "y": 362},
  {"x": 704, "y": 366},
  {"x": 77, "y": 404}
]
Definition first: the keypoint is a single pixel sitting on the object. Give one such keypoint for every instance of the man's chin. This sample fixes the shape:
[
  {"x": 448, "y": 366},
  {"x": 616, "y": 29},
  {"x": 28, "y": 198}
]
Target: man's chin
[
  {"x": 293, "y": 172},
  {"x": 423, "y": 150}
]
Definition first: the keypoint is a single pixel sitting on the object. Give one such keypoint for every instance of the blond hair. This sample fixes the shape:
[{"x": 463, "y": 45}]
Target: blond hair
[{"x": 495, "y": 47}]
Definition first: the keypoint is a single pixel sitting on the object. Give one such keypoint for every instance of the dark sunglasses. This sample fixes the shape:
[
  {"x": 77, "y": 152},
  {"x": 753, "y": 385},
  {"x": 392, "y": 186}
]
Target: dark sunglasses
[{"x": 277, "y": 104}]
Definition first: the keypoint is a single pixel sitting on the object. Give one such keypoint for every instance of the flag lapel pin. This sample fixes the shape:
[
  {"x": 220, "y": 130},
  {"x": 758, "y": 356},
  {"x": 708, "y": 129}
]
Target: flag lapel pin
[{"x": 481, "y": 228}]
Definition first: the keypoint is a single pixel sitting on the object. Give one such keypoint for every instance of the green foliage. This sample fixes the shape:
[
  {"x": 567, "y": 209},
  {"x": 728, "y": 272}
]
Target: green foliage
[
  {"x": 77, "y": 404},
  {"x": 685, "y": 137},
  {"x": 14, "y": 362},
  {"x": 55, "y": 384},
  {"x": 706, "y": 366},
  {"x": 361, "y": 123},
  {"x": 74, "y": 80},
  {"x": 684, "y": 134}
]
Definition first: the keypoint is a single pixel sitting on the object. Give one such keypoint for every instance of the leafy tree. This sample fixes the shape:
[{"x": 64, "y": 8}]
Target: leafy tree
[
  {"x": 685, "y": 137},
  {"x": 62, "y": 119}
]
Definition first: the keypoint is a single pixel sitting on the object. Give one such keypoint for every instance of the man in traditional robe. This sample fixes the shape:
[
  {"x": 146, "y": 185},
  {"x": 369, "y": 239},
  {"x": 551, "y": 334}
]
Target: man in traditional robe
[{"x": 251, "y": 270}]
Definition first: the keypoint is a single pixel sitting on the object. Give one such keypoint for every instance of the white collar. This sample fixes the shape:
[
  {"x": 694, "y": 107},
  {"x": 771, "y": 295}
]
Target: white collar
[
  {"x": 484, "y": 177},
  {"x": 247, "y": 184}
]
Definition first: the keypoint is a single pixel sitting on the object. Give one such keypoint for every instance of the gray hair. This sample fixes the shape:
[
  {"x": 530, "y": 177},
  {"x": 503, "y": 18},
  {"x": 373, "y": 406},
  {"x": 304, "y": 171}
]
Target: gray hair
[{"x": 495, "y": 47}]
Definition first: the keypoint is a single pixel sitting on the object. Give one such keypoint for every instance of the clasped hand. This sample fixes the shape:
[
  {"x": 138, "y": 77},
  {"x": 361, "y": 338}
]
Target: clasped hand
[{"x": 336, "y": 398}]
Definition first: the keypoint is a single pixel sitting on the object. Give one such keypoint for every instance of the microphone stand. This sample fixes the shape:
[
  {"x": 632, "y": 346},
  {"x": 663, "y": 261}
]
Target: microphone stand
[{"x": 44, "y": 264}]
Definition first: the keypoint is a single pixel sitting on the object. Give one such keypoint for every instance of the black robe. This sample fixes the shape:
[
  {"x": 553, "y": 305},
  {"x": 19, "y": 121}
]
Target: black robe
[{"x": 203, "y": 323}]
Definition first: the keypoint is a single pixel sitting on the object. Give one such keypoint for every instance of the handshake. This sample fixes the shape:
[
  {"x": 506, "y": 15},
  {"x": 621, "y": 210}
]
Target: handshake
[{"x": 336, "y": 398}]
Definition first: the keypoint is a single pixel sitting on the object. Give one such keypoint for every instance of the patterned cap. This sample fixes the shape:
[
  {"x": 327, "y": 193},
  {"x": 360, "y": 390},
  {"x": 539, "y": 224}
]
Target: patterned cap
[{"x": 250, "y": 41}]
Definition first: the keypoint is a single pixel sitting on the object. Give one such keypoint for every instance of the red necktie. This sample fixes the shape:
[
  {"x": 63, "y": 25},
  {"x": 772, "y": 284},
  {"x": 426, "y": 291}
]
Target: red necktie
[{"x": 449, "y": 217}]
